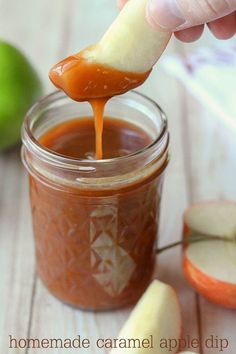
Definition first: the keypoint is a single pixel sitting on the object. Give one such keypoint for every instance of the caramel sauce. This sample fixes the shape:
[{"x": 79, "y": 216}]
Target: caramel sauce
[
  {"x": 85, "y": 81},
  {"x": 98, "y": 106},
  {"x": 76, "y": 138},
  {"x": 95, "y": 248}
]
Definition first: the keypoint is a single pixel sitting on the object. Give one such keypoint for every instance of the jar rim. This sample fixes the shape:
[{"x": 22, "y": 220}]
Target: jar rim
[{"x": 31, "y": 143}]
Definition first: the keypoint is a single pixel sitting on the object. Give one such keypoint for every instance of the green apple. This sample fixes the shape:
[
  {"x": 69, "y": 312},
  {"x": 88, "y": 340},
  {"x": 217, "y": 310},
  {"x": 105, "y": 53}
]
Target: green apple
[{"x": 20, "y": 87}]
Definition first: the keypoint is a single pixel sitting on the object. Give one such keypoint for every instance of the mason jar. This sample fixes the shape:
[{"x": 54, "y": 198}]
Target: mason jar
[{"x": 95, "y": 222}]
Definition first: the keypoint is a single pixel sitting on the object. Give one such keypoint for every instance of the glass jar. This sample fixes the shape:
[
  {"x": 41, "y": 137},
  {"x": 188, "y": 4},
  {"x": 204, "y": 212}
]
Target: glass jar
[{"x": 95, "y": 221}]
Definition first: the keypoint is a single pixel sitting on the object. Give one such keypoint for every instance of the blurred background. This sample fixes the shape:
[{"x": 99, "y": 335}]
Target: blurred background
[{"x": 203, "y": 164}]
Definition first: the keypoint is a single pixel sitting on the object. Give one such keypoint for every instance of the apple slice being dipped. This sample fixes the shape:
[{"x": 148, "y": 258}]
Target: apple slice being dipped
[
  {"x": 119, "y": 62},
  {"x": 210, "y": 265},
  {"x": 157, "y": 314}
]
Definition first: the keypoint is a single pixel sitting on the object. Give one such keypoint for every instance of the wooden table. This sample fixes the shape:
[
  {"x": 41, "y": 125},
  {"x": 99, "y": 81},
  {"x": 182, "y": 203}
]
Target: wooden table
[{"x": 203, "y": 166}]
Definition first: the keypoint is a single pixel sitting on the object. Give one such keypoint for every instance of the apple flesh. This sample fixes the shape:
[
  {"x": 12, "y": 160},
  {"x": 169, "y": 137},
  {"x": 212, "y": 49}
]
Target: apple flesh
[
  {"x": 121, "y": 61},
  {"x": 158, "y": 314},
  {"x": 210, "y": 266},
  {"x": 130, "y": 44}
]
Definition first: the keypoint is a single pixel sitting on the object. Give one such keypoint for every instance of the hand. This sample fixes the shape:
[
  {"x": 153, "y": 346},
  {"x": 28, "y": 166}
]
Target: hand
[{"x": 187, "y": 17}]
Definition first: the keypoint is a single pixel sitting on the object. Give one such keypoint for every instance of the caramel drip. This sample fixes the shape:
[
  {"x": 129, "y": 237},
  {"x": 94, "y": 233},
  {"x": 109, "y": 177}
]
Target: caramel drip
[
  {"x": 85, "y": 81},
  {"x": 98, "y": 106}
]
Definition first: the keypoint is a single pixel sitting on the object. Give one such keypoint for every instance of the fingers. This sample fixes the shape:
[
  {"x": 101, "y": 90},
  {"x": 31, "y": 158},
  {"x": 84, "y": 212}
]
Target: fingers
[
  {"x": 174, "y": 15},
  {"x": 186, "y": 17},
  {"x": 225, "y": 27},
  {"x": 190, "y": 34}
]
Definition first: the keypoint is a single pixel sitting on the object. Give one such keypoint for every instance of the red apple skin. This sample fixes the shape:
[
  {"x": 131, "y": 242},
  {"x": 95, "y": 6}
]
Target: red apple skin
[
  {"x": 216, "y": 291},
  {"x": 186, "y": 233}
]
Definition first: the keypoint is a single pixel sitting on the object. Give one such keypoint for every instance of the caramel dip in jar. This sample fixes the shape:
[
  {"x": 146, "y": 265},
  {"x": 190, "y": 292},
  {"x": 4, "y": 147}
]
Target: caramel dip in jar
[{"x": 95, "y": 221}]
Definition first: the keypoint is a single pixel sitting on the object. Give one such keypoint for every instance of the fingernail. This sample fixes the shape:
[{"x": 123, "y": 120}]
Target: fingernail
[{"x": 165, "y": 14}]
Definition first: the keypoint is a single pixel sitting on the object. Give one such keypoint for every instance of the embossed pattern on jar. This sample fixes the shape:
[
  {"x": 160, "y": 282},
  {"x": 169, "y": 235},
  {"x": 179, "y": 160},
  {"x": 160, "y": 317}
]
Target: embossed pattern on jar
[{"x": 95, "y": 221}]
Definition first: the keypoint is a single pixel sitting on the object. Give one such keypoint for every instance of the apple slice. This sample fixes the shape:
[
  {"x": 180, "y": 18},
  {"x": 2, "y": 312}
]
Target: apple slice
[
  {"x": 130, "y": 44},
  {"x": 121, "y": 61},
  {"x": 187, "y": 353},
  {"x": 157, "y": 314},
  {"x": 210, "y": 266}
]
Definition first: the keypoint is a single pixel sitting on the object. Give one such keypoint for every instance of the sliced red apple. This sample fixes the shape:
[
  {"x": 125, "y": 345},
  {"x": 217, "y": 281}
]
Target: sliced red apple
[
  {"x": 210, "y": 265},
  {"x": 157, "y": 314}
]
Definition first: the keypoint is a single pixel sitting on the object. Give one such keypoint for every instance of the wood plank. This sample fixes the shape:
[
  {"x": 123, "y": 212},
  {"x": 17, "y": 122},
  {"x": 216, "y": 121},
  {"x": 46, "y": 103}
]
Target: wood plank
[
  {"x": 24, "y": 28},
  {"x": 16, "y": 250}
]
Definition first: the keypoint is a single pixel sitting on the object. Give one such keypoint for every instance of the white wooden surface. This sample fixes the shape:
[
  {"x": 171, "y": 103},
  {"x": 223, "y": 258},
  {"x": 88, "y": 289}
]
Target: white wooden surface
[{"x": 203, "y": 166}]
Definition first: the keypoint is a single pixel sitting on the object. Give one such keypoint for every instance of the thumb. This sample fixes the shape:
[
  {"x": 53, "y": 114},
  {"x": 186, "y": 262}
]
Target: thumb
[{"x": 173, "y": 15}]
